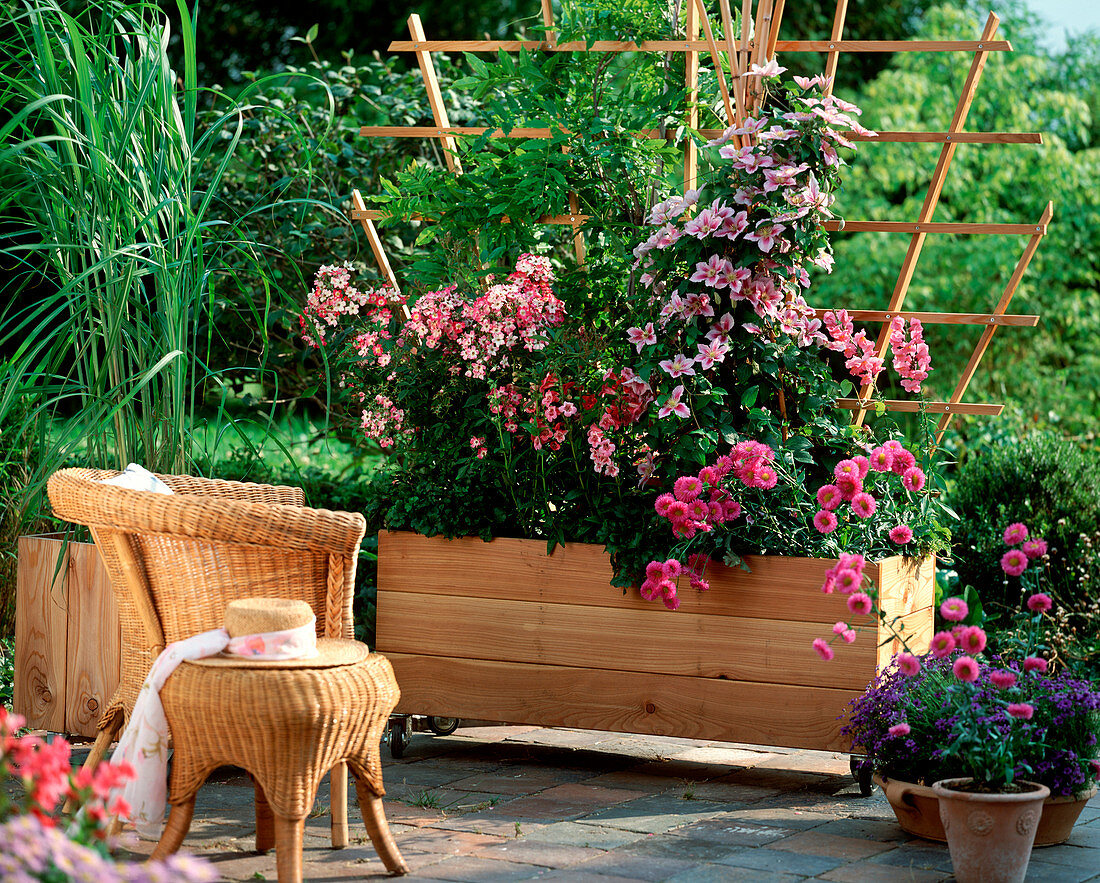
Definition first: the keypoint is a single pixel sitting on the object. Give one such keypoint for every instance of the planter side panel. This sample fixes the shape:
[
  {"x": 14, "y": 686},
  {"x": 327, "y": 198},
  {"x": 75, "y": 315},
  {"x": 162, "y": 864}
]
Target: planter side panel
[
  {"x": 40, "y": 632},
  {"x": 631, "y": 702}
]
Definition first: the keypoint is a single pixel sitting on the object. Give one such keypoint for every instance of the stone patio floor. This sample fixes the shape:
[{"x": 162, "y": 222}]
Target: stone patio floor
[{"x": 519, "y": 803}]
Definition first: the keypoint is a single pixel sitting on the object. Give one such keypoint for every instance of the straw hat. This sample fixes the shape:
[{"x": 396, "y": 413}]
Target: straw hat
[{"x": 252, "y": 616}]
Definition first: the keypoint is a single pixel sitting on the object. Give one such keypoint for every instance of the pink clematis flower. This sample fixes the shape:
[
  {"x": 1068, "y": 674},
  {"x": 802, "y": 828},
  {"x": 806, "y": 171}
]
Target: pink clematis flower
[
  {"x": 712, "y": 272},
  {"x": 678, "y": 366},
  {"x": 765, "y": 235},
  {"x": 673, "y": 405},
  {"x": 771, "y": 69},
  {"x": 642, "y": 337},
  {"x": 711, "y": 353}
]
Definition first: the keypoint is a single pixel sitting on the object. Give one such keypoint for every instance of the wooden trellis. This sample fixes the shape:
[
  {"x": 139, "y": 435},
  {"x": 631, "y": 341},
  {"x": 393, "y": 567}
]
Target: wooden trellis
[{"x": 739, "y": 99}]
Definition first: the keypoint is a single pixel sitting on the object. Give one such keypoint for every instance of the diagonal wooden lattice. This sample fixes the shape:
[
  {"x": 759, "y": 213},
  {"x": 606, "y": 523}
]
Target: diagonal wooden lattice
[{"x": 757, "y": 43}]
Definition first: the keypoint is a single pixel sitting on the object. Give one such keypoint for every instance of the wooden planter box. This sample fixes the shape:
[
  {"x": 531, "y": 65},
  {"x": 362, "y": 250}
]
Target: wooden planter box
[
  {"x": 502, "y": 631},
  {"x": 68, "y": 640}
]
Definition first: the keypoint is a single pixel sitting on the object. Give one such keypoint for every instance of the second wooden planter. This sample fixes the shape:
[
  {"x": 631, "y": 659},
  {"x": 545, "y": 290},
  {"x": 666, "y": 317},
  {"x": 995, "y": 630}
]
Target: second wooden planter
[{"x": 502, "y": 631}]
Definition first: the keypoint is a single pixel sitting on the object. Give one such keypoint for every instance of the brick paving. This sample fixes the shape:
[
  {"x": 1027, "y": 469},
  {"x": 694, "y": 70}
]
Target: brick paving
[{"x": 520, "y": 803}]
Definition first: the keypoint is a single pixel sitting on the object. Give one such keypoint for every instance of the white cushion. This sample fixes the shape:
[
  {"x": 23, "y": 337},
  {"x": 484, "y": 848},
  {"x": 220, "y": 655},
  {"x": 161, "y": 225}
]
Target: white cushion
[{"x": 137, "y": 478}]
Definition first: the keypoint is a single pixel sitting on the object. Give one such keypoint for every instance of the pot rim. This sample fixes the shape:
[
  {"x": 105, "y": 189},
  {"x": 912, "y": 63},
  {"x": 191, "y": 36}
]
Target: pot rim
[
  {"x": 947, "y": 788},
  {"x": 1076, "y": 797}
]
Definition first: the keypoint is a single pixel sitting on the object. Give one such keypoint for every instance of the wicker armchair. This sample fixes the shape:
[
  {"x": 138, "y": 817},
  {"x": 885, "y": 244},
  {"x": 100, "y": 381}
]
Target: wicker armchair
[{"x": 175, "y": 562}]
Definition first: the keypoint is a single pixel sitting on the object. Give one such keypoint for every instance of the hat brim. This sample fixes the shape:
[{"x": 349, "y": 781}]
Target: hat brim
[{"x": 331, "y": 652}]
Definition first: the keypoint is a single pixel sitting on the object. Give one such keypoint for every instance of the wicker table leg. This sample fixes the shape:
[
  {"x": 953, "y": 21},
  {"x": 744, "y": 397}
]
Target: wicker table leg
[
  {"x": 374, "y": 817},
  {"x": 265, "y": 820},
  {"x": 179, "y": 823}
]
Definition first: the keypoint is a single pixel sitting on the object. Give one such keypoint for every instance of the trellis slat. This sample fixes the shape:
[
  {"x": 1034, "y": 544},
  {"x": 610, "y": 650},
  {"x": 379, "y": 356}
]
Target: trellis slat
[{"x": 697, "y": 46}]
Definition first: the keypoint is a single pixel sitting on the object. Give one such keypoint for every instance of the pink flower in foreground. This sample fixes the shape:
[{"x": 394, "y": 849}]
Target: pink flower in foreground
[
  {"x": 913, "y": 478},
  {"x": 678, "y": 366},
  {"x": 901, "y": 729},
  {"x": 825, "y": 521},
  {"x": 1002, "y": 679},
  {"x": 901, "y": 534},
  {"x": 1036, "y": 548},
  {"x": 642, "y": 337},
  {"x": 972, "y": 640},
  {"x": 863, "y": 464},
  {"x": 942, "y": 644},
  {"x": 1039, "y": 603},
  {"x": 864, "y": 505},
  {"x": 908, "y": 664},
  {"x": 1021, "y": 710},
  {"x": 881, "y": 459},
  {"x": 847, "y": 467},
  {"x": 844, "y": 631},
  {"x": 954, "y": 610},
  {"x": 860, "y": 603},
  {"x": 1014, "y": 562},
  {"x": 687, "y": 488},
  {"x": 662, "y": 503},
  {"x": 823, "y": 649},
  {"x": 1015, "y": 533},
  {"x": 1036, "y": 663},
  {"x": 829, "y": 496},
  {"x": 848, "y": 580},
  {"x": 673, "y": 405},
  {"x": 966, "y": 669}
]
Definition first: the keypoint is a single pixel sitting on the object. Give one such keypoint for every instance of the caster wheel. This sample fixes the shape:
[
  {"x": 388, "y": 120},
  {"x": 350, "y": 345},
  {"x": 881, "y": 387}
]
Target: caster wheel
[
  {"x": 400, "y": 736},
  {"x": 861, "y": 772},
  {"x": 443, "y": 726}
]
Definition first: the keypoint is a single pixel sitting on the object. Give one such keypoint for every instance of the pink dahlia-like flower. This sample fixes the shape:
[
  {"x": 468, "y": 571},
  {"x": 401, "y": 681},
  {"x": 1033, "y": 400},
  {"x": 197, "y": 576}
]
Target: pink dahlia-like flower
[
  {"x": 1039, "y": 603},
  {"x": 648, "y": 589},
  {"x": 864, "y": 505},
  {"x": 864, "y": 465},
  {"x": 672, "y": 602},
  {"x": 1036, "y": 663},
  {"x": 913, "y": 479},
  {"x": 829, "y": 496},
  {"x": 1014, "y": 562},
  {"x": 1021, "y": 710},
  {"x": 1015, "y": 533},
  {"x": 1036, "y": 548},
  {"x": 954, "y": 610},
  {"x": 677, "y": 511},
  {"x": 881, "y": 459},
  {"x": 1002, "y": 679},
  {"x": 901, "y": 534},
  {"x": 848, "y": 580},
  {"x": 908, "y": 664},
  {"x": 687, "y": 488},
  {"x": 901, "y": 729},
  {"x": 849, "y": 485},
  {"x": 972, "y": 640},
  {"x": 966, "y": 669},
  {"x": 662, "y": 503},
  {"x": 860, "y": 603},
  {"x": 823, "y": 649},
  {"x": 825, "y": 521},
  {"x": 942, "y": 644},
  {"x": 903, "y": 460},
  {"x": 847, "y": 467}
]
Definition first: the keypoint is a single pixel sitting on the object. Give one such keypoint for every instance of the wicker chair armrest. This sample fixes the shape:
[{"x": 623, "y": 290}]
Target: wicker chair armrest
[
  {"x": 78, "y": 495},
  {"x": 246, "y": 491}
]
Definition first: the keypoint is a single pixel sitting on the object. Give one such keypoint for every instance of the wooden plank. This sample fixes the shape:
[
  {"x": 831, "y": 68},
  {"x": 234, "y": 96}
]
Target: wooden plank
[
  {"x": 987, "y": 335},
  {"x": 774, "y": 587},
  {"x": 697, "y": 46},
  {"x": 435, "y": 96},
  {"x": 921, "y": 228},
  {"x": 946, "y": 137},
  {"x": 620, "y": 639},
  {"x": 913, "y": 407},
  {"x": 632, "y": 702},
  {"x": 360, "y": 213},
  {"x": 1026, "y": 321},
  {"x": 40, "y": 631},
  {"x": 691, "y": 87},
  {"x": 839, "y": 14},
  {"x": 94, "y": 652},
  {"x": 932, "y": 197}
]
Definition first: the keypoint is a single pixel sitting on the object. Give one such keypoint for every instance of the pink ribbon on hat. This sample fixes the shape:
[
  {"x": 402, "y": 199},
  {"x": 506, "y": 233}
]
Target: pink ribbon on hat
[{"x": 144, "y": 742}]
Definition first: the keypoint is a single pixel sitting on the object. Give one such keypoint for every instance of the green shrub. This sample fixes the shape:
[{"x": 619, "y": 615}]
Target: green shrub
[{"x": 1047, "y": 483}]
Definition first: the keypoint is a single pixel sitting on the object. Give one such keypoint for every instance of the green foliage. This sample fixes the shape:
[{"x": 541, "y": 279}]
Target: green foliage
[
  {"x": 7, "y": 671},
  {"x": 1047, "y": 483}
]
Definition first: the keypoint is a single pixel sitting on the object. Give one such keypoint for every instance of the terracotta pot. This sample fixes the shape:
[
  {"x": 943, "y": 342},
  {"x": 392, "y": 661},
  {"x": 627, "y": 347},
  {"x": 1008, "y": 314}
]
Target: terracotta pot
[
  {"x": 918, "y": 812},
  {"x": 990, "y": 835}
]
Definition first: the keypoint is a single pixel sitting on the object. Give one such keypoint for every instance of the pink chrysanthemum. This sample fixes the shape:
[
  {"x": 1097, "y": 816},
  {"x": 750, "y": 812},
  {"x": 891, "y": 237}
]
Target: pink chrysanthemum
[
  {"x": 648, "y": 589},
  {"x": 1039, "y": 603},
  {"x": 903, "y": 460},
  {"x": 1021, "y": 710},
  {"x": 942, "y": 644},
  {"x": 847, "y": 467},
  {"x": 687, "y": 488},
  {"x": 765, "y": 477},
  {"x": 823, "y": 649},
  {"x": 1002, "y": 679},
  {"x": 901, "y": 534},
  {"x": 1036, "y": 663},
  {"x": 972, "y": 640},
  {"x": 847, "y": 580},
  {"x": 864, "y": 505},
  {"x": 1014, "y": 562},
  {"x": 709, "y": 476},
  {"x": 860, "y": 603},
  {"x": 954, "y": 610},
  {"x": 1036, "y": 548},
  {"x": 849, "y": 485},
  {"x": 863, "y": 464},
  {"x": 965, "y": 669},
  {"x": 672, "y": 568},
  {"x": 1015, "y": 533},
  {"x": 908, "y": 664},
  {"x": 672, "y": 602},
  {"x": 913, "y": 479},
  {"x": 881, "y": 459},
  {"x": 901, "y": 729},
  {"x": 829, "y": 496},
  {"x": 825, "y": 521},
  {"x": 662, "y": 503}
]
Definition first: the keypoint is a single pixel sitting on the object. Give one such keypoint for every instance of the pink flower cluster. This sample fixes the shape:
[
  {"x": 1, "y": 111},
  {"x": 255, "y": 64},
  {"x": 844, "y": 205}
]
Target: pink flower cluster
[
  {"x": 1015, "y": 561},
  {"x": 848, "y": 487},
  {"x": 383, "y": 421},
  {"x": 911, "y": 358},
  {"x": 910, "y": 355},
  {"x": 333, "y": 298}
]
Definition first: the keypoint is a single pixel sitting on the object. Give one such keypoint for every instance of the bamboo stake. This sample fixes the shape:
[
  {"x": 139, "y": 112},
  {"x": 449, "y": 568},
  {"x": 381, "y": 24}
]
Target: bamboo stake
[
  {"x": 548, "y": 22},
  {"x": 435, "y": 96},
  {"x": 860, "y": 46},
  {"x": 691, "y": 86},
  {"x": 746, "y": 40},
  {"x": 838, "y": 29},
  {"x": 999, "y": 310},
  {"x": 360, "y": 213},
  {"x": 777, "y": 18},
  {"x": 931, "y": 199},
  {"x": 716, "y": 56},
  {"x": 735, "y": 68}
]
